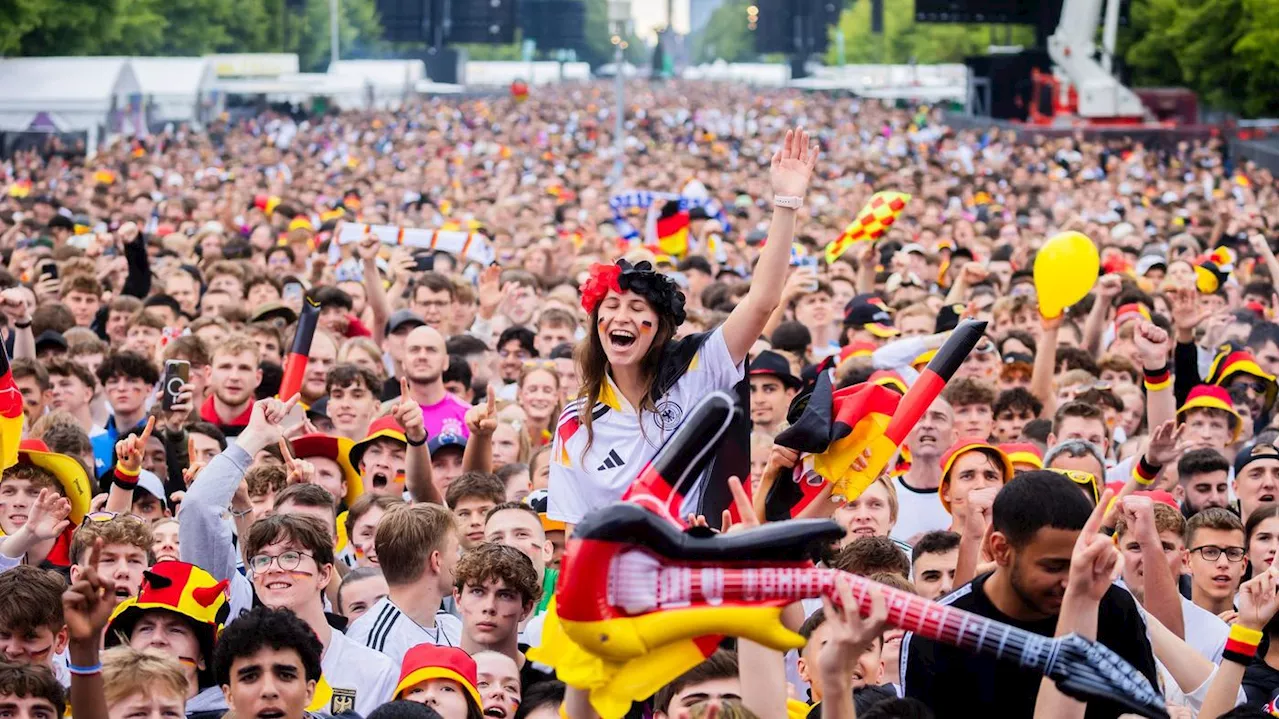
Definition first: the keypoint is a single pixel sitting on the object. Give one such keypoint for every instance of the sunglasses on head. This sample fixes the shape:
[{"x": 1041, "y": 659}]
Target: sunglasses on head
[{"x": 1082, "y": 478}]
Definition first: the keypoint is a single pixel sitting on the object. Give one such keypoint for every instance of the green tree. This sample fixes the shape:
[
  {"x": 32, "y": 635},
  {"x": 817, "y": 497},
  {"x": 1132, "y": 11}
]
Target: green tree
[
  {"x": 726, "y": 36},
  {"x": 307, "y": 32},
  {"x": 904, "y": 40},
  {"x": 1224, "y": 50}
]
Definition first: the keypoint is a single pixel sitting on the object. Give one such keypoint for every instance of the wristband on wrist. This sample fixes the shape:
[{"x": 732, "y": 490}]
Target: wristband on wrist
[
  {"x": 1242, "y": 644},
  {"x": 126, "y": 478},
  {"x": 1243, "y": 640},
  {"x": 22, "y": 325},
  {"x": 1157, "y": 379},
  {"x": 84, "y": 671},
  {"x": 1144, "y": 472},
  {"x": 240, "y": 515},
  {"x": 418, "y": 443}
]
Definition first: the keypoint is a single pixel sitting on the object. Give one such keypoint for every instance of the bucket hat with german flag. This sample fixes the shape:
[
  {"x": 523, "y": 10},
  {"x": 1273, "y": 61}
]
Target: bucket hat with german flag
[
  {"x": 963, "y": 447},
  {"x": 1209, "y": 396},
  {"x": 1233, "y": 362}
]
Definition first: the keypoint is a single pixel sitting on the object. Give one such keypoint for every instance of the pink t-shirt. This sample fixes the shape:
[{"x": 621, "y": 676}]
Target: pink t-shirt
[{"x": 448, "y": 416}]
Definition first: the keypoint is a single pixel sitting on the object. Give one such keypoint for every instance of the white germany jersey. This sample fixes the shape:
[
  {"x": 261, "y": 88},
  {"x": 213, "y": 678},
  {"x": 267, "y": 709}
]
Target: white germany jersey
[
  {"x": 387, "y": 629},
  {"x": 355, "y": 678},
  {"x": 584, "y": 478}
]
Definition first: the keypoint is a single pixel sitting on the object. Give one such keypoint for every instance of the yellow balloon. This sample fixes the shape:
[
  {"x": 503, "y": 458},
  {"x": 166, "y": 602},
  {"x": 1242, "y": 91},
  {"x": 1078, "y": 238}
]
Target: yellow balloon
[{"x": 1066, "y": 269}]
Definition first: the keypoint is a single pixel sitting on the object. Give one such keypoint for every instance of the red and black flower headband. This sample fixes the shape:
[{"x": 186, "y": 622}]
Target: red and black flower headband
[{"x": 660, "y": 290}]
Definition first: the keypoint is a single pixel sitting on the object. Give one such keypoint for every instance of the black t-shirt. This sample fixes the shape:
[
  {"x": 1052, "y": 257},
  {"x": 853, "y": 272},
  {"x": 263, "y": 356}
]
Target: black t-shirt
[
  {"x": 957, "y": 683},
  {"x": 530, "y": 675},
  {"x": 1260, "y": 683}
]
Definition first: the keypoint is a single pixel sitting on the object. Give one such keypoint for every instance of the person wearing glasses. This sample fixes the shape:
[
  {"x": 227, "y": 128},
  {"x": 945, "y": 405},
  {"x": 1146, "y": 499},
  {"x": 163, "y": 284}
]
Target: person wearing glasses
[
  {"x": 1215, "y": 556},
  {"x": 1236, "y": 368},
  {"x": 290, "y": 562}
]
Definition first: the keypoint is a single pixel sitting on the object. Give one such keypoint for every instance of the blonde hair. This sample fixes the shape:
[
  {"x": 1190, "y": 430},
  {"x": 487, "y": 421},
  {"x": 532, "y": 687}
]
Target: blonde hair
[
  {"x": 368, "y": 347},
  {"x": 238, "y": 344},
  {"x": 127, "y": 671}
]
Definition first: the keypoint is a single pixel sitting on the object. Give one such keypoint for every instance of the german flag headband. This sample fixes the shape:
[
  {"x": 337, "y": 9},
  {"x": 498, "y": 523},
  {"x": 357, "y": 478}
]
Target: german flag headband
[{"x": 660, "y": 290}]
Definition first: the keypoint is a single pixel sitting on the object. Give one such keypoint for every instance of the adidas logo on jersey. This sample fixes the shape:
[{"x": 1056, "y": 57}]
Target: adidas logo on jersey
[{"x": 613, "y": 461}]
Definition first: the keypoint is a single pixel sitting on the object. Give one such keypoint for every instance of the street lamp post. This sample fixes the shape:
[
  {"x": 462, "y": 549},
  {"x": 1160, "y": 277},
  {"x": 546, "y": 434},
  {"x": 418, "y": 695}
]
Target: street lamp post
[{"x": 619, "y": 17}]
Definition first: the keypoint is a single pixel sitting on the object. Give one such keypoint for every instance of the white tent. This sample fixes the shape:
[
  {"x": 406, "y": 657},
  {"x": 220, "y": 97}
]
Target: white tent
[
  {"x": 389, "y": 82},
  {"x": 178, "y": 89},
  {"x": 94, "y": 95}
]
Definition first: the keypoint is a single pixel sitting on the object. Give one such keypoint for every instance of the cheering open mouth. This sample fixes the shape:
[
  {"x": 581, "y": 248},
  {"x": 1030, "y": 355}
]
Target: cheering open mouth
[{"x": 622, "y": 339}]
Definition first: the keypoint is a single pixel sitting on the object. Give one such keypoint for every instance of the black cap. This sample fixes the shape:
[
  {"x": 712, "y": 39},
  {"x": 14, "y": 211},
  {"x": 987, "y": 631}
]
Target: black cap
[
  {"x": 50, "y": 339},
  {"x": 862, "y": 311},
  {"x": 402, "y": 318},
  {"x": 319, "y": 408},
  {"x": 695, "y": 262},
  {"x": 772, "y": 363},
  {"x": 1015, "y": 357},
  {"x": 1256, "y": 453},
  {"x": 948, "y": 318},
  {"x": 62, "y": 221}
]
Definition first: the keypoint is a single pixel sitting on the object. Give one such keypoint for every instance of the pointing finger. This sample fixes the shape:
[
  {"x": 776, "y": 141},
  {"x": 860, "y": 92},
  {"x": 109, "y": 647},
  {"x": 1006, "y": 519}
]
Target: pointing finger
[
  {"x": 286, "y": 453},
  {"x": 146, "y": 432},
  {"x": 404, "y": 389},
  {"x": 293, "y": 402},
  {"x": 491, "y": 399}
]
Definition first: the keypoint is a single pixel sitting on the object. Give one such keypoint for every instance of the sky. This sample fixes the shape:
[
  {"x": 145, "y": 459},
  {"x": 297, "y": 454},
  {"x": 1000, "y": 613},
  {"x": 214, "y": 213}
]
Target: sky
[{"x": 647, "y": 14}]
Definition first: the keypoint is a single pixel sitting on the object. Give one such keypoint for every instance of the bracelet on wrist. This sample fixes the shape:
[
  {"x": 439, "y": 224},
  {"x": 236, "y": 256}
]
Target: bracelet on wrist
[
  {"x": 419, "y": 443},
  {"x": 1144, "y": 472},
  {"x": 84, "y": 671},
  {"x": 1242, "y": 645},
  {"x": 22, "y": 325},
  {"x": 241, "y": 514},
  {"x": 1157, "y": 379},
  {"x": 124, "y": 477}
]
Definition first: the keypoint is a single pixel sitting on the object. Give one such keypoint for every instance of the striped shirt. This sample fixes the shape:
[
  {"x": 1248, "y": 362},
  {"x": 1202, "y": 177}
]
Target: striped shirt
[{"x": 387, "y": 629}]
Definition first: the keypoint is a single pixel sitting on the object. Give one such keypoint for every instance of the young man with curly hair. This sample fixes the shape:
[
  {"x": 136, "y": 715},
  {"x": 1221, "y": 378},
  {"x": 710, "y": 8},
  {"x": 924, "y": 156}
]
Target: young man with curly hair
[
  {"x": 268, "y": 664},
  {"x": 496, "y": 589}
]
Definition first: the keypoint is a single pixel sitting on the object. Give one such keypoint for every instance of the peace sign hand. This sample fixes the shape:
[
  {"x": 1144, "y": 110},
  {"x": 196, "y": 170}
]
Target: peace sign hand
[{"x": 1095, "y": 561}]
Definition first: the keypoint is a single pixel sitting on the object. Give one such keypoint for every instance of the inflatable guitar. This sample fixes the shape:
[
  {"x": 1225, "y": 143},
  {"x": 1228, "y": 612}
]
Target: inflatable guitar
[
  {"x": 639, "y": 601},
  {"x": 640, "y": 597}
]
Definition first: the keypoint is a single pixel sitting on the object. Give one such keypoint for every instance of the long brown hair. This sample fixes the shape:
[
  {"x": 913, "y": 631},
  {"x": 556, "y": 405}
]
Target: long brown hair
[{"x": 593, "y": 363}]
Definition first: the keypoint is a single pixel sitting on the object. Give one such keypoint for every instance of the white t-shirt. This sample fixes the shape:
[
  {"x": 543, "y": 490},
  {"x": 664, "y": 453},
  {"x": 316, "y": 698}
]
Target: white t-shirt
[
  {"x": 624, "y": 442},
  {"x": 1203, "y": 630},
  {"x": 387, "y": 629},
  {"x": 919, "y": 511},
  {"x": 359, "y": 678}
]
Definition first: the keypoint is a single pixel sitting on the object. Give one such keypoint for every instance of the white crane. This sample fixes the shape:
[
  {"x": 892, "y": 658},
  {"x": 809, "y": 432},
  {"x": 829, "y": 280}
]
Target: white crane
[{"x": 1099, "y": 94}]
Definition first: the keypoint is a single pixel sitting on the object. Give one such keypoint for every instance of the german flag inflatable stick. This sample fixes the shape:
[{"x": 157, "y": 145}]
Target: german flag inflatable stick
[
  {"x": 10, "y": 413},
  {"x": 671, "y": 475},
  {"x": 836, "y": 428},
  {"x": 639, "y": 602},
  {"x": 295, "y": 365}
]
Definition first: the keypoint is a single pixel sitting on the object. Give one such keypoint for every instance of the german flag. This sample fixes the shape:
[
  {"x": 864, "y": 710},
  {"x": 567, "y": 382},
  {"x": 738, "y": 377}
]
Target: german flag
[
  {"x": 295, "y": 365},
  {"x": 10, "y": 413},
  {"x": 673, "y": 230},
  {"x": 835, "y": 428}
]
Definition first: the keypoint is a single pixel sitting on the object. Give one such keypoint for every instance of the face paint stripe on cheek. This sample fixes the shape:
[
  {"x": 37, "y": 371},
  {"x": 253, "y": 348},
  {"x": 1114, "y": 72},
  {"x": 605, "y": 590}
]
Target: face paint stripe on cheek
[{"x": 646, "y": 326}]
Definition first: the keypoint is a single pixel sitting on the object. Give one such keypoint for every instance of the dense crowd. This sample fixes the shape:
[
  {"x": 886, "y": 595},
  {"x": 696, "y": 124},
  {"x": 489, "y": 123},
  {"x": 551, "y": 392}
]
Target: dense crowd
[{"x": 182, "y": 537}]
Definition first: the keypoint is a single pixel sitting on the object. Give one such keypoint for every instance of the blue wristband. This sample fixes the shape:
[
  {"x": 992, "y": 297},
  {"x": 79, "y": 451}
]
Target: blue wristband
[{"x": 84, "y": 671}]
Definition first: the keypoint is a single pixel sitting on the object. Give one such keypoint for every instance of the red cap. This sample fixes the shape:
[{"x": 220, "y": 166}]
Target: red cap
[
  {"x": 1024, "y": 452},
  {"x": 428, "y": 661}
]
